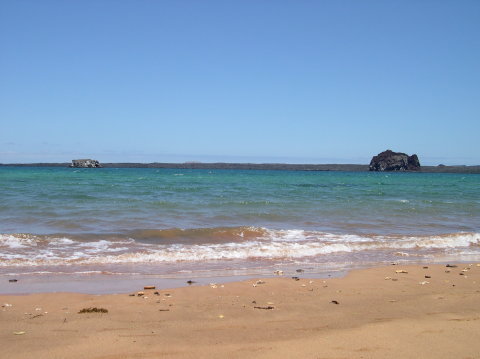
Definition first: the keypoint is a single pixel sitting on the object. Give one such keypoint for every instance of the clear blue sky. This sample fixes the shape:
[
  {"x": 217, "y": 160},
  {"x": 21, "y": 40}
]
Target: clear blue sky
[{"x": 260, "y": 81}]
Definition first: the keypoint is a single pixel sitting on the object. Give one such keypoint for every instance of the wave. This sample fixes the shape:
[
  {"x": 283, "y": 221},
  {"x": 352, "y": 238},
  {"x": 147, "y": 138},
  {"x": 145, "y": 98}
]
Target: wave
[
  {"x": 198, "y": 235},
  {"x": 212, "y": 244}
]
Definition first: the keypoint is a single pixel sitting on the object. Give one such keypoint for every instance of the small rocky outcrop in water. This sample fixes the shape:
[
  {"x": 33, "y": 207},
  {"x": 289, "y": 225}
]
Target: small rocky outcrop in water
[
  {"x": 394, "y": 161},
  {"x": 86, "y": 163}
]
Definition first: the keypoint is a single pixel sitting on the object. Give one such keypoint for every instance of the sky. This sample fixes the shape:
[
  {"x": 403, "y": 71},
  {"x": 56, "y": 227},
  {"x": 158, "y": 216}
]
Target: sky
[{"x": 239, "y": 81}]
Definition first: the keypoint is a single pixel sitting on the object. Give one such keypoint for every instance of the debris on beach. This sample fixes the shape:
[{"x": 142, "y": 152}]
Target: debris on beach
[
  {"x": 388, "y": 278},
  {"x": 425, "y": 267},
  {"x": 13, "y": 280},
  {"x": 300, "y": 271},
  {"x": 93, "y": 310},
  {"x": 156, "y": 293},
  {"x": 213, "y": 285},
  {"x": 265, "y": 308},
  {"x": 427, "y": 276},
  {"x": 190, "y": 282},
  {"x": 401, "y": 271},
  {"x": 149, "y": 287},
  {"x": 295, "y": 278},
  {"x": 140, "y": 294},
  {"x": 278, "y": 272},
  {"x": 258, "y": 282},
  {"x": 451, "y": 266},
  {"x": 424, "y": 282},
  {"x": 221, "y": 316},
  {"x": 19, "y": 333},
  {"x": 334, "y": 302}
]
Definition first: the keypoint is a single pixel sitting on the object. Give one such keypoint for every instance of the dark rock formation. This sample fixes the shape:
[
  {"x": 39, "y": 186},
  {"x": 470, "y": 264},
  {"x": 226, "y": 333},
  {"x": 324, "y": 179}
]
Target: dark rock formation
[
  {"x": 394, "y": 161},
  {"x": 86, "y": 163}
]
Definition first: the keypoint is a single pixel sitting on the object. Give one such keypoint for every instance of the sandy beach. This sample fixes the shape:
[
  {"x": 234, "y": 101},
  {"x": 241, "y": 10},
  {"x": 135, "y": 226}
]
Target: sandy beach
[{"x": 424, "y": 311}]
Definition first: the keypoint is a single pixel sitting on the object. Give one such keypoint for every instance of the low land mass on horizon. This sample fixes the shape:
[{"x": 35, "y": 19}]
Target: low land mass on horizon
[{"x": 255, "y": 166}]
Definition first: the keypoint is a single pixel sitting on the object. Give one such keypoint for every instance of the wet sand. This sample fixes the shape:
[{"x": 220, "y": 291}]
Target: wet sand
[{"x": 373, "y": 313}]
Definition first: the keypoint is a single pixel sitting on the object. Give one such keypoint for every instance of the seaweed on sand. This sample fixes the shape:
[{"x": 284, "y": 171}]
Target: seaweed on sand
[{"x": 93, "y": 310}]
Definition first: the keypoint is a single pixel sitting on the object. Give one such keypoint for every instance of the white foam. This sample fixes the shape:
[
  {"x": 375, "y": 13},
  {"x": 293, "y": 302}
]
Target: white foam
[
  {"x": 16, "y": 240},
  {"x": 62, "y": 241},
  {"x": 292, "y": 235},
  {"x": 270, "y": 244}
]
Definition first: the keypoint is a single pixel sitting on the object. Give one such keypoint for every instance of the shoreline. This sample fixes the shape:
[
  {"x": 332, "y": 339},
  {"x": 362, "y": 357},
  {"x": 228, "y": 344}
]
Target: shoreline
[
  {"x": 122, "y": 283},
  {"x": 111, "y": 283},
  {"x": 370, "y": 313}
]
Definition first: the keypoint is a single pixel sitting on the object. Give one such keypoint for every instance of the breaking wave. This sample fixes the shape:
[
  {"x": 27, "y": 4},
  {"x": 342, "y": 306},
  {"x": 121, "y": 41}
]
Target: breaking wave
[{"x": 210, "y": 244}]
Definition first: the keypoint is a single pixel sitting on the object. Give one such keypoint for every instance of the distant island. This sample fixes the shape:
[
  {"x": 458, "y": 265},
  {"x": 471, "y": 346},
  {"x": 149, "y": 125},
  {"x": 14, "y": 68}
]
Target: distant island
[
  {"x": 394, "y": 161},
  {"x": 85, "y": 163}
]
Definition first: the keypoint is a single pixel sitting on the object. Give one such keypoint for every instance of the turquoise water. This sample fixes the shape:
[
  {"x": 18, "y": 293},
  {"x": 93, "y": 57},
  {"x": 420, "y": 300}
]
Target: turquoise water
[{"x": 175, "y": 221}]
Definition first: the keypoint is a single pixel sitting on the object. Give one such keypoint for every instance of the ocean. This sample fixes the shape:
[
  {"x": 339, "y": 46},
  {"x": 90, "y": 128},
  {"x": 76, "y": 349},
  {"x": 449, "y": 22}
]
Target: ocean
[{"x": 181, "y": 224}]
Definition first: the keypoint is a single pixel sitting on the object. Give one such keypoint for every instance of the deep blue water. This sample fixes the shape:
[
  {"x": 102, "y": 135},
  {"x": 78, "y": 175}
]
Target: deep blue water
[{"x": 64, "y": 200}]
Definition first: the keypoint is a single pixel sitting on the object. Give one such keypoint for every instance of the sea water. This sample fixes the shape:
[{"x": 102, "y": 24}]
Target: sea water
[{"x": 205, "y": 223}]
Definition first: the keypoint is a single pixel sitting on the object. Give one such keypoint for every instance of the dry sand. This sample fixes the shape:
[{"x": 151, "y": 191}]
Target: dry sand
[{"x": 380, "y": 314}]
